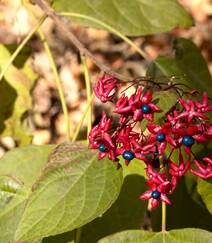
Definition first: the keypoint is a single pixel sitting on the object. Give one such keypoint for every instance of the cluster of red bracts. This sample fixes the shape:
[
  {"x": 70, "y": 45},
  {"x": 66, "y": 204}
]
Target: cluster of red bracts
[{"x": 185, "y": 126}]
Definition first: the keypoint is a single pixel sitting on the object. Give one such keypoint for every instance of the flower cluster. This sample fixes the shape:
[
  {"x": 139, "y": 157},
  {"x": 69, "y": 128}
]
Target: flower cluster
[{"x": 183, "y": 127}]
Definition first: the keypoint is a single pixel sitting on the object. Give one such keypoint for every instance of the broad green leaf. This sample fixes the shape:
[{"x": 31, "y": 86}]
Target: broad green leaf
[
  {"x": 74, "y": 189},
  {"x": 181, "y": 213},
  {"x": 135, "y": 167},
  {"x": 126, "y": 213},
  {"x": 192, "y": 63},
  {"x": 173, "y": 236},
  {"x": 167, "y": 66},
  {"x": 15, "y": 99},
  {"x": 165, "y": 100},
  {"x": 25, "y": 163},
  {"x": 204, "y": 189},
  {"x": 12, "y": 198},
  {"x": 133, "y": 18},
  {"x": 18, "y": 170},
  {"x": 187, "y": 67}
]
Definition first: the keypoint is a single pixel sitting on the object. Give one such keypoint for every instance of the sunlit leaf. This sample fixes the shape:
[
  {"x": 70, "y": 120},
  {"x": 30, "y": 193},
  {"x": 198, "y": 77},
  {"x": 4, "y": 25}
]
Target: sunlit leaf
[
  {"x": 74, "y": 188},
  {"x": 173, "y": 236},
  {"x": 15, "y": 99},
  {"x": 204, "y": 189},
  {"x": 133, "y": 18},
  {"x": 18, "y": 170}
]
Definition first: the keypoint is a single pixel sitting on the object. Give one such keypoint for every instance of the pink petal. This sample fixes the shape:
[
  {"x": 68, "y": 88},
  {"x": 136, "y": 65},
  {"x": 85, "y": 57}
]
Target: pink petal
[
  {"x": 146, "y": 195},
  {"x": 182, "y": 115},
  {"x": 149, "y": 116},
  {"x": 173, "y": 172},
  {"x": 138, "y": 115},
  {"x": 154, "y": 203},
  {"x": 161, "y": 147},
  {"x": 205, "y": 98},
  {"x": 107, "y": 138},
  {"x": 153, "y": 107},
  {"x": 208, "y": 160},
  {"x": 147, "y": 97},
  {"x": 120, "y": 151},
  {"x": 171, "y": 141},
  {"x": 165, "y": 199},
  {"x": 200, "y": 138},
  {"x": 173, "y": 166},
  {"x": 147, "y": 147},
  {"x": 141, "y": 157},
  {"x": 187, "y": 149},
  {"x": 203, "y": 176},
  {"x": 101, "y": 155},
  {"x": 153, "y": 128},
  {"x": 201, "y": 168},
  {"x": 122, "y": 109},
  {"x": 151, "y": 139}
]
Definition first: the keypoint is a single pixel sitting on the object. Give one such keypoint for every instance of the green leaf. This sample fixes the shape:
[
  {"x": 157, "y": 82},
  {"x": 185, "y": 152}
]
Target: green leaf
[
  {"x": 188, "y": 67},
  {"x": 192, "y": 63},
  {"x": 135, "y": 167},
  {"x": 126, "y": 213},
  {"x": 15, "y": 99},
  {"x": 165, "y": 100},
  {"x": 12, "y": 199},
  {"x": 173, "y": 236},
  {"x": 204, "y": 189},
  {"x": 132, "y": 18},
  {"x": 25, "y": 163},
  {"x": 18, "y": 170},
  {"x": 74, "y": 189},
  {"x": 181, "y": 213}
]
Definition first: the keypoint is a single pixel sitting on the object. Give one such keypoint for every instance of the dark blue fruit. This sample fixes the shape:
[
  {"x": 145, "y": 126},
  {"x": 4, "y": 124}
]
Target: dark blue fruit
[
  {"x": 128, "y": 155},
  {"x": 102, "y": 147},
  {"x": 188, "y": 140},
  {"x": 160, "y": 137},
  {"x": 146, "y": 109},
  {"x": 155, "y": 194}
]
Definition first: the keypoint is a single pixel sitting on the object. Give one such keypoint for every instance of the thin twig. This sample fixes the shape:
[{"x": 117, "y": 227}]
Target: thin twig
[
  {"x": 58, "y": 83},
  {"x": 66, "y": 30},
  {"x": 82, "y": 119},
  {"x": 55, "y": 73},
  {"x": 21, "y": 46},
  {"x": 110, "y": 29},
  {"x": 88, "y": 91}
]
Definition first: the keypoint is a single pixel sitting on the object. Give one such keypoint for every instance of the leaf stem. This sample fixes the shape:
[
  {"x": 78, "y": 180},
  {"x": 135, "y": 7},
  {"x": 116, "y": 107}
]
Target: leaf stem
[
  {"x": 110, "y": 29},
  {"x": 78, "y": 235},
  {"x": 58, "y": 82},
  {"x": 64, "y": 27},
  {"x": 163, "y": 225},
  {"x": 82, "y": 118},
  {"x": 21, "y": 46},
  {"x": 88, "y": 90},
  {"x": 55, "y": 73}
]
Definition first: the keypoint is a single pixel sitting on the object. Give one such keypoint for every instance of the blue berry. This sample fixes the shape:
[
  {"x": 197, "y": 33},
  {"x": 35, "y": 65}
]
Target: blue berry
[
  {"x": 128, "y": 155},
  {"x": 155, "y": 194},
  {"x": 160, "y": 137},
  {"x": 188, "y": 140},
  {"x": 146, "y": 109},
  {"x": 102, "y": 147}
]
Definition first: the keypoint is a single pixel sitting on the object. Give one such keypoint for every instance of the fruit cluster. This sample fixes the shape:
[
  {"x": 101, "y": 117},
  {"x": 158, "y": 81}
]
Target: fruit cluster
[{"x": 183, "y": 127}]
